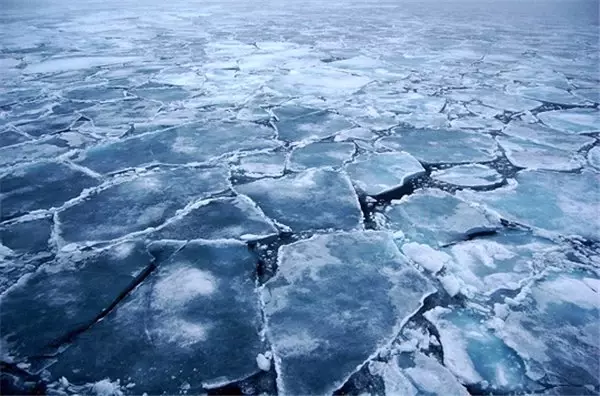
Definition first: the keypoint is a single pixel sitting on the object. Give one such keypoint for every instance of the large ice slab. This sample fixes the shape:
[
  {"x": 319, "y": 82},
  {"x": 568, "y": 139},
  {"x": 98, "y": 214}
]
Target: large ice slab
[
  {"x": 420, "y": 376},
  {"x": 67, "y": 295},
  {"x": 219, "y": 218},
  {"x": 189, "y": 143},
  {"x": 322, "y": 320},
  {"x": 474, "y": 354},
  {"x": 526, "y": 154},
  {"x": 262, "y": 164},
  {"x": 540, "y": 134},
  {"x": 554, "y": 327},
  {"x": 195, "y": 321},
  {"x": 472, "y": 175},
  {"x": 43, "y": 185},
  {"x": 552, "y": 201},
  {"x": 321, "y": 154},
  {"x": 593, "y": 157},
  {"x": 435, "y": 217},
  {"x": 573, "y": 120},
  {"x": 383, "y": 172},
  {"x": 442, "y": 146},
  {"x": 315, "y": 199},
  {"x": 134, "y": 205}
]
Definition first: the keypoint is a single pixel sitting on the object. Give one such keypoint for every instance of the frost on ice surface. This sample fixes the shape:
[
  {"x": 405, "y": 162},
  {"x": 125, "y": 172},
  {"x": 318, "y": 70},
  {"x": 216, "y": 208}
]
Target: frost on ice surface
[
  {"x": 67, "y": 295},
  {"x": 322, "y": 320},
  {"x": 555, "y": 330},
  {"x": 552, "y": 201},
  {"x": 435, "y": 217},
  {"x": 189, "y": 143},
  {"x": 220, "y": 218},
  {"x": 315, "y": 199},
  {"x": 473, "y": 175},
  {"x": 42, "y": 185},
  {"x": 474, "y": 354},
  {"x": 195, "y": 320},
  {"x": 526, "y": 154},
  {"x": 416, "y": 375},
  {"x": 321, "y": 154},
  {"x": 574, "y": 120},
  {"x": 380, "y": 173},
  {"x": 442, "y": 146},
  {"x": 134, "y": 205}
]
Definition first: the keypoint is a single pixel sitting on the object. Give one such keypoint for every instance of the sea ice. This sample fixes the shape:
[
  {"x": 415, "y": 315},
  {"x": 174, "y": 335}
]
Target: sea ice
[
  {"x": 322, "y": 322},
  {"x": 379, "y": 173},
  {"x": 545, "y": 136},
  {"x": 573, "y": 120},
  {"x": 593, "y": 157},
  {"x": 472, "y": 175},
  {"x": 310, "y": 126},
  {"x": 257, "y": 165},
  {"x": 526, "y": 154},
  {"x": 315, "y": 199},
  {"x": 321, "y": 154}
]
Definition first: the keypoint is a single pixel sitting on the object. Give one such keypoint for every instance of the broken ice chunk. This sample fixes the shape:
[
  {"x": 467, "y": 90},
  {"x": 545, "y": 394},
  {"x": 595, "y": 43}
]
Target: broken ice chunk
[
  {"x": 435, "y": 217},
  {"x": 315, "y": 199},
  {"x": 555, "y": 330},
  {"x": 321, "y": 154},
  {"x": 66, "y": 296},
  {"x": 550, "y": 94},
  {"x": 134, "y": 205},
  {"x": 185, "y": 144},
  {"x": 474, "y": 354},
  {"x": 427, "y": 257},
  {"x": 593, "y": 157},
  {"x": 442, "y": 146},
  {"x": 195, "y": 321},
  {"x": 318, "y": 346},
  {"x": 472, "y": 175},
  {"x": 220, "y": 218},
  {"x": 269, "y": 164},
  {"x": 30, "y": 151},
  {"x": 543, "y": 135},
  {"x": 572, "y": 120},
  {"x": 380, "y": 173},
  {"x": 8, "y": 137},
  {"x": 525, "y": 154},
  {"x": 552, "y": 201},
  {"x": 310, "y": 127},
  {"x": 355, "y": 133},
  {"x": 43, "y": 185}
]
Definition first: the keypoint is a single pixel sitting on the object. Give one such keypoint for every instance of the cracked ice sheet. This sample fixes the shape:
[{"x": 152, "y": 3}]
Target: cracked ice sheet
[
  {"x": 473, "y": 353},
  {"x": 435, "y": 217},
  {"x": 321, "y": 154},
  {"x": 423, "y": 377},
  {"x": 220, "y": 218},
  {"x": 66, "y": 294},
  {"x": 526, "y": 154},
  {"x": 316, "y": 199},
  {"x": 318, "y": 346},
  {"x": 473, "y": 175},
  {"x": 383, "y": 172},
  {"x": 554, "y": 325},
  {"x": 542, "y": 135},
  {"x": 573, "y": 120},
  {"x": 441, "y": 146},
  {"x": 43, "y": 185},
  {"x": 139, "y": 203},
  {"x": 551, "y": 201},
  {"x": 189, "y": 143},
  {"x": 258, "y": 165},
  {"x": 310, "y": 125},
  {"x": 194, "y": 322}
]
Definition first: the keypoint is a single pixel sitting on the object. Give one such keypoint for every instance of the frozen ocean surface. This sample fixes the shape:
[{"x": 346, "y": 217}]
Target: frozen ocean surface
[{"x": 345, "y": 197}]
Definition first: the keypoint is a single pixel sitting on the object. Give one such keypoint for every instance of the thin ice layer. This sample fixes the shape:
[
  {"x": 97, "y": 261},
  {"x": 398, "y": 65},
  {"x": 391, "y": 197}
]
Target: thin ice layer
[
  {"x": 435, "y": 217},
  {"x": 380, "y": 173},
  {"x": 472, "y": 175},
  {"x": 43, "y": 185},
  {"x": 134, "y": 205},
  {"x": 220, "y": 218},
  {"x": 66, "y": 295},
  {"x": 318, "y": 345},
  {"x": 315, "y": 199},
  {"x": 526, "y": 154},
  {"x": 321, "y": 154},
  {"x": 555, "y": 329},
  {"x": 442, "y": 146},
  {"x": 190, "y": 143},
  {"x": 552, "y": 201},
  {"x": 473, "y": 353},
  {"x": 194, "y": 321}
]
